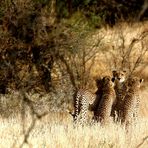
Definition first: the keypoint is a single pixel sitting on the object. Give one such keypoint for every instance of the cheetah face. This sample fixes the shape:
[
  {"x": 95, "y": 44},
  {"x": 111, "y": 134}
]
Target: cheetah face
[
  {"x": 134, "y": 81},
  {"x": 107, "y": 80},
  {"x": 119, "y": 75}
]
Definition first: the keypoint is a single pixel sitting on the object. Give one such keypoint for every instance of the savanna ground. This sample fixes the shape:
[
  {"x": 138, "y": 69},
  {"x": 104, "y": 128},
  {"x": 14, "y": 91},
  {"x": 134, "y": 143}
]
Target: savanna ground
[{"x": 56, "y": 130}]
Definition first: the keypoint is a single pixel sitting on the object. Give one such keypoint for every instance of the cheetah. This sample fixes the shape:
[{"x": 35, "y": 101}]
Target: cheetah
[
  {"x": 85, "y": 101},
  {"x": 120, "y": 77},
  {"x": 108, "y": 100},
  {"x": 131, "y": 101},
  {"x": 93, "y": 107}
]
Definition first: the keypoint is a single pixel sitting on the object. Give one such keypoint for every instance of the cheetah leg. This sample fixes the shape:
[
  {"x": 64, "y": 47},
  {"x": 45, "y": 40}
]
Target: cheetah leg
[
  {"x": 77, "y": 107},
  {"x": 136, "y": 114},
  {"x": 107, "y": 112},
  {"x": 83, "y": 110}
]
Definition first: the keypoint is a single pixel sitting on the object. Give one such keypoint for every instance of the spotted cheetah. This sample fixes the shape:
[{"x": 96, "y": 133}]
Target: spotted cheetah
[
  {"x": 120, "y": 77},
  {"x": 131, "y": 100},
  {"x": 108, "y": 100},
  {"x": 93, "y": 107},
  {"x": 85, "y": 100}
]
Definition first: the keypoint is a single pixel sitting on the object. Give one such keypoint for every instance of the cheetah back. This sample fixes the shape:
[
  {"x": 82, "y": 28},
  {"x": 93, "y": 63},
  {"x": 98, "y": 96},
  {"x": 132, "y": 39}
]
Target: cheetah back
[
  {"x": 81, "y": 105},
  {"x": 132, "y": 100},
  {"x": 107, "y": 100}
]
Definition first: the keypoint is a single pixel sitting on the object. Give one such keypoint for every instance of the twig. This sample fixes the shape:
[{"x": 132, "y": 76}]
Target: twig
[
  {"x": 34, "y": 115},
  {"x": 140, "y": 144}
]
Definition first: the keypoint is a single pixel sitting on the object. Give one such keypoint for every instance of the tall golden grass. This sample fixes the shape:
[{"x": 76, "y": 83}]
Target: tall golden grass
[{"x": 56, "y": 130}]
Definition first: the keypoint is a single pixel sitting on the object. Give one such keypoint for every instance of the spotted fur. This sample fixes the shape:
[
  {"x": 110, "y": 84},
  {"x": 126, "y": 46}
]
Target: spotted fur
[
  {"x": 108, "y": 99},
  {"x": 84, "y": 101},
  {"x": 120, "y": 89},
  {"x": 81, "y": 105},
  {"x": 131, "y": 101}
]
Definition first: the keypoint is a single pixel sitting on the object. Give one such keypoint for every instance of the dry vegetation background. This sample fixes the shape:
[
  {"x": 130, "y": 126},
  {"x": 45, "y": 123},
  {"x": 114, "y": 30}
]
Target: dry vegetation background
[{"x": 48, "y": 50}]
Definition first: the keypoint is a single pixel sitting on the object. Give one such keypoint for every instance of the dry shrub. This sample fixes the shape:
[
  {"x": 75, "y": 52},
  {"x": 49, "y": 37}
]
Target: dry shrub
[{"x": 124, "y": 47}]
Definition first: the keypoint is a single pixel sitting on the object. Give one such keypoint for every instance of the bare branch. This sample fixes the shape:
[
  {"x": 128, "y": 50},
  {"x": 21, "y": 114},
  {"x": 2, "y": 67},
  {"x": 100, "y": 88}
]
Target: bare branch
[
  {"x": 144, "y": 8},
  {"x": 34, "y": 115},
  {"x": 140, "y": 144}
]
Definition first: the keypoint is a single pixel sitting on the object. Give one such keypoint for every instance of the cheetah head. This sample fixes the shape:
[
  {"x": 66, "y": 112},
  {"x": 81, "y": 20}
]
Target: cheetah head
[
  {"x": 99, "y": 83},
  {"x": 134, "y": 81},
  {"x": 108, "y": 81},
  {"x": 119, "y": 75}
]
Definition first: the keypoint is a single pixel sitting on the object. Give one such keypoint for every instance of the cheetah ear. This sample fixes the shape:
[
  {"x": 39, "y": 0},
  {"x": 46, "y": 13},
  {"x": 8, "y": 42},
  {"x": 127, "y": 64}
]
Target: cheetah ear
[
  {"x": 141, "y": 80},
  {"x": 106, "y": 78},
  {"x": 114, "y": 72},
  {"x": 98, "y": 79},
  {"x": 103, "y": 79}
]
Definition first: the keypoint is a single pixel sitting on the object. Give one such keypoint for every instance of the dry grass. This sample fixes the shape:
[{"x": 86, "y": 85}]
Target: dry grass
[{"x": 56, "y": 130}]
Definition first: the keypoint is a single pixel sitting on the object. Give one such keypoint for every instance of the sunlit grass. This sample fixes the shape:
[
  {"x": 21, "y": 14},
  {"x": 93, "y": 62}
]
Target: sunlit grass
[{"x": 56, "y": 131}]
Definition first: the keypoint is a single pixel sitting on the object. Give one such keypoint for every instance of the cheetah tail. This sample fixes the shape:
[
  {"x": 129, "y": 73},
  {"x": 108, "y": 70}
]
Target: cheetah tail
[{"x": 70, "y": 112}]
